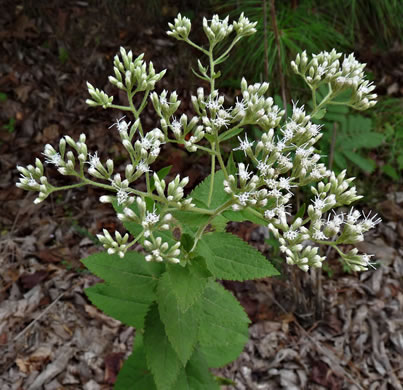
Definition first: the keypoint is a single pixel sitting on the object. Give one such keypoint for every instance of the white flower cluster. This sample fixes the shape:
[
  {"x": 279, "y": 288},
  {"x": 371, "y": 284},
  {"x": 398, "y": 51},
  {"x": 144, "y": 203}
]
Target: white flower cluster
[
  {"x": 296, "y": 239},
  {"x": 175, "y": 192},
  {"x": 180, "y": 29},
  {"x": 283, "y": 158},
  {"x": 32, "y": 179},
  {"x": 161, "y": 251},
  {"x": 215, "y": 29},
  {"x": 149, "y": 220},
  {"x": 116, "y": 245},
  {"x": 130, "y": 74},
  {"x": 327, "y": 68}
]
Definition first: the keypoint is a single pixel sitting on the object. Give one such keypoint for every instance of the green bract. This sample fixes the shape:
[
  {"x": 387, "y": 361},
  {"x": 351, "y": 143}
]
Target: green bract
[{"x": 185, "y": 320}]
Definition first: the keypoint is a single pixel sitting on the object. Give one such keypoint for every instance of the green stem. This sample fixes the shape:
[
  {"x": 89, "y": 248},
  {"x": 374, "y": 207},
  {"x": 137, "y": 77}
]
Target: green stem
[
  {"x": 148, "y": 183},
  {"x": 135, "y": 239},
  {"x": 212, "y": 80},
  {"x": 216, "y": 212},
  {"x": 329, "y": 96},
  {"x": 314, "y": 97},
  {"x": 210, "y": 194},
  {"x": 96, "y": 184},
  {"x": 54, "y": 189},
  {"x": 196, "y": 46},
  {"x": 122, "y": 108},
  {"x": 221, "y": 162}
]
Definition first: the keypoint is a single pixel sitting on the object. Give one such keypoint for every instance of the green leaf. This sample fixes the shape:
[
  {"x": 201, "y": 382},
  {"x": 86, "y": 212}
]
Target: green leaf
[
  {"x": 232, "y": 133},
  {"x": 320, "y": 114},
  {"x": 200, "y": 193},
  {"x": 391, "y": 172},
  {"x": 190, "y": 218},
  {"x": 188, "y": 283},
  {"x": 161, "y": 357},
  {"x": 121, "y": 302},
  {"x": 231, "y": 167},
  {"x": 228, "y": 257},
  {"x": 244, "y": 215},
  {"x": 364, "y": 163},
  {"x": 301, "y": 212},
  {"x": 196, "y": 375},
  {"x": 187, "y": 242},
  {"x": 340, "y": 160},
  {"x": 223, "y": 330},
  {"x": 131, "y": 271},
  {"x": 135, "y": 374},
  {"x": 181, "y": 326},
  {"x": 219, "y": 223}
]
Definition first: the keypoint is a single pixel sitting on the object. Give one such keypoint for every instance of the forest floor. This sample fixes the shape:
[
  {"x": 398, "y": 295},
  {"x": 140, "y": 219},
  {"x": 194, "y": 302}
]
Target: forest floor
[{"x": 51, "y": 337}]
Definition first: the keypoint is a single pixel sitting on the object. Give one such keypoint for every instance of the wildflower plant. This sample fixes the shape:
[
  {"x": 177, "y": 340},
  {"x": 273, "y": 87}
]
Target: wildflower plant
[{"x": 185, "y": 320}]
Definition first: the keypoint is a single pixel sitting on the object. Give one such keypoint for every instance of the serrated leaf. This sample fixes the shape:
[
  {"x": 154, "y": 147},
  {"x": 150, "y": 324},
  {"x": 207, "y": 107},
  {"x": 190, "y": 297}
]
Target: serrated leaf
[
  {"x": 243, "y": 215},
  {"x": 223, "y": 330},
  {"x": 190, "y": 218},
  {"x": 364, "y": 163},
  {"x": 219, "y": 223},
  {"x": 181, "y": 326},
  {"x": 122, "y": 303},
  {"x": 196, "y": 375},
  {"x": 201, "y": 192},
  {"x": 132, "y": 271},
  {"x": 161, "y": 357},
  {"x": 188, "y": 283},
  {"x": 135, "y": 374},
  {"x": 228, "y": 257}
]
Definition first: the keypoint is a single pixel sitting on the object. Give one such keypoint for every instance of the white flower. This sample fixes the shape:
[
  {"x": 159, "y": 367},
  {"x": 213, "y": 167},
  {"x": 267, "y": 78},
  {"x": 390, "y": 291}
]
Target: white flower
[
  {"x": 284, "y": 183},
  {"x": 370, "y": 222},
  {"x": 176, "y": 127},
  {"x": 280, "y": 146},
  {"x": 214, "y": 103},
  {"x": 142, "y": 167},
  {"x": 353, "y": 216},
  {"x": 291, "y": 235},
  {"x": 121, "y": 125},
  {"x": 243, "y": 172},
  {"x": 151, "y": 218},
  {"x": 243, "y": 198},
  {"x": 318, "y": 203},
  {"x": 240, "y": 106},
  {"x": 319, "y": 235},
  {"x": 55, "y": 159},
  {"x": 244, "y": 145},
  {"x": 94, "y": 160}
]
